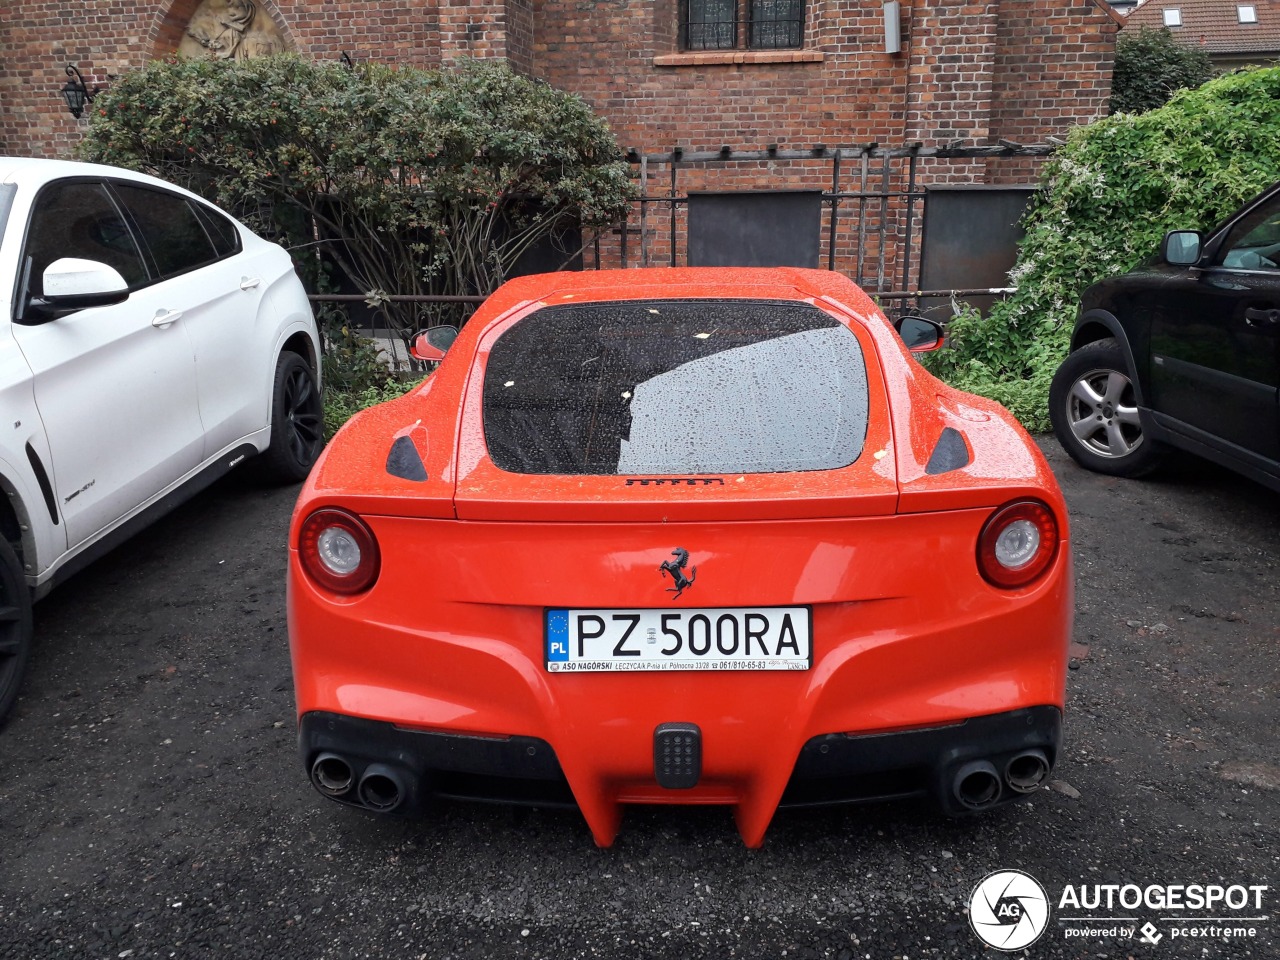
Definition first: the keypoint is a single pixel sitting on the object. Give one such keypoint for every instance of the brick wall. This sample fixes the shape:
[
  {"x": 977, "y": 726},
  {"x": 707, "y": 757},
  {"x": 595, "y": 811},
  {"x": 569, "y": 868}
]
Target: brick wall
[
  {"x": 520, "y": 28},
  {"x": 38, "y": 38},
  {"x": 1053, "y": 70},
  {"x": 972, "y": 70}
]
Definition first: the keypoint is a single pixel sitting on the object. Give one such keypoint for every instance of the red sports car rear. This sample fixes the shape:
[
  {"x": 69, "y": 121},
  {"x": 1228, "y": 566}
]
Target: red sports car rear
[{"x": 680, "y": 536}]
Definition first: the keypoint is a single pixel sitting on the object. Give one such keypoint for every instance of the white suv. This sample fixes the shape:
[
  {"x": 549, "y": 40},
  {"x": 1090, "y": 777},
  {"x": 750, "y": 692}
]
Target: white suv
[{"x": 150, "y": 344}]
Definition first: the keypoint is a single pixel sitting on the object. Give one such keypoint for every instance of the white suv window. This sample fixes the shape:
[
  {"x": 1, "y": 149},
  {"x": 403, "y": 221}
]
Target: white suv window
[
  {"x": 174, "y": 235},
  {"x": 78, "y": 218}
]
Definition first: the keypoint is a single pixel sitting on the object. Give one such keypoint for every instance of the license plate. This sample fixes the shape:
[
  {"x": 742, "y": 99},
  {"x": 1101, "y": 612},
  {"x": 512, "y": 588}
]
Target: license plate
[{"x": 736, "y": 638}]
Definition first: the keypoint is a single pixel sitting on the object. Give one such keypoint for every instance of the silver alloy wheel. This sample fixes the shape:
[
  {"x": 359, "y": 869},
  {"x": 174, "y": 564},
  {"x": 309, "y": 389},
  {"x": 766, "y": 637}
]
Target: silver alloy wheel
[{"x": 1103, "y": 414}]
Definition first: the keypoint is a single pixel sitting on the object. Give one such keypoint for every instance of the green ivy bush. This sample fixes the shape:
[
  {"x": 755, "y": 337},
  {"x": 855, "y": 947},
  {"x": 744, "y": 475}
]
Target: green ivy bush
[
  {"x": 414, "y": 181},
  {"x": 342, "y": 404},
  {"x": 1109, "y": 196},
  {"x": 1151, "y": 66}
]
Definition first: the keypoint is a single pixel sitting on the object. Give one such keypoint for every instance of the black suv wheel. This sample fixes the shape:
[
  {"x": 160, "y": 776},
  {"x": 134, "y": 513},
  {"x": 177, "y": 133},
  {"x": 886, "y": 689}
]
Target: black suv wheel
[{"x": 1095, "y": 413}]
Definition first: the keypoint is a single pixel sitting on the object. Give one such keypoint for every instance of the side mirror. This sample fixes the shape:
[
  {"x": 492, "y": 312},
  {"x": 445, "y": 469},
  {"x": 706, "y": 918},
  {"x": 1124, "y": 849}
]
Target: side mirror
[
  {"x": 920, "y": 335},
  {"x": 1181, "y": 248},
  {"x": 74, "y": 284},
  {"x": 433, "y": 343}
]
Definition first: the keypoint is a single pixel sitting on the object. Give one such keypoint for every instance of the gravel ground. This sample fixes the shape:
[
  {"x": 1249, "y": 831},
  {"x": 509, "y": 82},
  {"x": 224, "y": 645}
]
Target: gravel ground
[{"x": 152, "y": 803}]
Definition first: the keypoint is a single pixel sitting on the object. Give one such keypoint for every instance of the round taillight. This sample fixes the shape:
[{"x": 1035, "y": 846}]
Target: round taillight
[
  {"x": 1017, "y": 543},
  {"x": 338, "y": 551}
]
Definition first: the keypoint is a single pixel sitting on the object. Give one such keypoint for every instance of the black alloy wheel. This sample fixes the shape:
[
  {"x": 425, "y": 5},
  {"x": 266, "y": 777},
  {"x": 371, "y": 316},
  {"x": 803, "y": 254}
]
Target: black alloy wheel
[
  {"x": 15, "y": 627},
  {"x": 297, "y": 421}
]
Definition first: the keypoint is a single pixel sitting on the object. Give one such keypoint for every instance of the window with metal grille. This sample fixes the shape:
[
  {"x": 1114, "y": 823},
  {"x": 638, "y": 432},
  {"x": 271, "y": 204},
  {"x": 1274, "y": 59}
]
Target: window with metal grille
[
  {"x": 730, "y": 24},
  {"x": 776, "y": 24}
]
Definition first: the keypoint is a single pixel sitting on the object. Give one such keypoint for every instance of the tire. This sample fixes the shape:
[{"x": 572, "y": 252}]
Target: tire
[
  {"x": 1094, "y": 412},
  {"x": 15, "y": 627},
  {"x": 297, "y": 422}
]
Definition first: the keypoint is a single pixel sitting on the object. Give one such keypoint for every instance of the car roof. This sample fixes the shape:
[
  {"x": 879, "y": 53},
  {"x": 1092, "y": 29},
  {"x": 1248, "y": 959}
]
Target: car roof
[{"x": 37, "y": 170}]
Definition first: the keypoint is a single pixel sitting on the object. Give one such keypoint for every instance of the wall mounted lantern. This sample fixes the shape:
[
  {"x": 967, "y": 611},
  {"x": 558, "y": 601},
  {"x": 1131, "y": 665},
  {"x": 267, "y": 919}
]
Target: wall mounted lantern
[{"x": 76, "y": 93}]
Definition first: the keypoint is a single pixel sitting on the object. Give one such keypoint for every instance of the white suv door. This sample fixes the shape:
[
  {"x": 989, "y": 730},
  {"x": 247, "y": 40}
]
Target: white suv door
[
  {"x": 224, "y": 287},
  {"x": 115, "y": 386}
]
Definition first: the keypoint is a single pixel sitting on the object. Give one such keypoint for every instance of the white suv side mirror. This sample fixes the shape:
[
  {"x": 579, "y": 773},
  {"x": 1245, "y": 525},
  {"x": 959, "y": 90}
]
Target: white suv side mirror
[{"x": 70, "y": 281}]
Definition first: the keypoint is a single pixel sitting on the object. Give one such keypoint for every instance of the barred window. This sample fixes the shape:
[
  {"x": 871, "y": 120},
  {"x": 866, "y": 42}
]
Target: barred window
[
  {"x": 776, "y": 24},
  {"x": 731, "y": 24}
]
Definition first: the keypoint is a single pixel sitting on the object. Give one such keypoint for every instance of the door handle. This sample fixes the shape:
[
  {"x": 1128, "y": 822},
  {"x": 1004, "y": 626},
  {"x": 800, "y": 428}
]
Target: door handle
[
  {"x": 248, "y": 283},
  {"x": 1258, "y": 317},
  {"x": 165, "y": 317}
]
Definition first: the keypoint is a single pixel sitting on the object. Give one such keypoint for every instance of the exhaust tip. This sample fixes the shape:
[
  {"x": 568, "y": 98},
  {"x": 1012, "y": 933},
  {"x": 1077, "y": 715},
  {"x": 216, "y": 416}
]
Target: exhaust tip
[
  {"x": 331, "y": 774},
  {"x": 1025, "y": 772},
  {"x": 977, "y": 785},
  {"x": 382, "y": 788}
]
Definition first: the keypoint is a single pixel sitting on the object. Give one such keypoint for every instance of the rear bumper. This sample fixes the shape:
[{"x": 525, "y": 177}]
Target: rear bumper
[
  {"x": 379, "y": 766},
  {"x": 451, "y": 667}
]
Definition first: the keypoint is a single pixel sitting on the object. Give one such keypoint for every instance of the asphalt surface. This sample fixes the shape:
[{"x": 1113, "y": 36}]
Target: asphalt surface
[{"x": 152, "y": 803}]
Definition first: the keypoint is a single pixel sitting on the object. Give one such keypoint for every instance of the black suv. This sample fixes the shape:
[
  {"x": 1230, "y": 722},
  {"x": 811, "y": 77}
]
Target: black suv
[{"x": 1184, "y": 351}]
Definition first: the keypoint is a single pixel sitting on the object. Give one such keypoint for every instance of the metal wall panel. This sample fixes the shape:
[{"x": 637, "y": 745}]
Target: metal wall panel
[
  {"x": 971, "y": 236},
  {"x": 755, "y": 228}
]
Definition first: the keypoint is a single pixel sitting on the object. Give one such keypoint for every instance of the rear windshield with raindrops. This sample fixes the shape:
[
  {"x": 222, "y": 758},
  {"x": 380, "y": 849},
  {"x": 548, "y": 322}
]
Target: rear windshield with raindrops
[{"x": 675, "y": 386}]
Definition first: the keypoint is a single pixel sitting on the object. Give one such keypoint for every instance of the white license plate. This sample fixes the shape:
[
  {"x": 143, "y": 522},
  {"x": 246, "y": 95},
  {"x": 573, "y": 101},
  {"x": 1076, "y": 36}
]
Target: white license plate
[{"x": 736, "y": 638}]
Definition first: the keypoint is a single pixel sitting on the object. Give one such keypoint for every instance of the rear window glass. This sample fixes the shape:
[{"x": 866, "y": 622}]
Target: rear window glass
[
  {"x": 680, "y": 386},
  {"x": 226, "y": 240},
  {"x": 177, "y": 239}
]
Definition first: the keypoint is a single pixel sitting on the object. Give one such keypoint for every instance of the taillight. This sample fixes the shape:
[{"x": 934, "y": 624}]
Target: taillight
[
  {"x": 1017, "y": 543},
  {"x": 338, "y": 551}
]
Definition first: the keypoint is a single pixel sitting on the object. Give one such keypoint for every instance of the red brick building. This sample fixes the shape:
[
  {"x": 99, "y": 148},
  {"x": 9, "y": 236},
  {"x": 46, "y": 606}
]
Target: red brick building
[{"x": 699, "y": 74}]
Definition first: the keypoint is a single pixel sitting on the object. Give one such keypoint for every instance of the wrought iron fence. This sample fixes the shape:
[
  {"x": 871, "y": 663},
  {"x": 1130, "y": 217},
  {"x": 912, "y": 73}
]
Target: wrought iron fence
[{"x": 872, "y": 225}]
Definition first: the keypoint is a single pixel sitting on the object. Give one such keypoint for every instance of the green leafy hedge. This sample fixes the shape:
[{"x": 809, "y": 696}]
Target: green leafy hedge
[
  {"x": 1109, "y": 197},
  {"x": 415, "y": 181}
]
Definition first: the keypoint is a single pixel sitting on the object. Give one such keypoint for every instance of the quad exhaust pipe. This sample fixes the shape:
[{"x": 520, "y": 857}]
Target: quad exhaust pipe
[
  {"x": 380, "y": 788},
  {"x": 978, "y": 785},
  {"x": 332, "y": 775},
  {"x": 1025, "y": 772}
]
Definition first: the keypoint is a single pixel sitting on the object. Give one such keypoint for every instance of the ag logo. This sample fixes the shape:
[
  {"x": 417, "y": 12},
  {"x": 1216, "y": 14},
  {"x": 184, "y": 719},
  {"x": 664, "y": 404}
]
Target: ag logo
[{"x": 1008, "y": 910}]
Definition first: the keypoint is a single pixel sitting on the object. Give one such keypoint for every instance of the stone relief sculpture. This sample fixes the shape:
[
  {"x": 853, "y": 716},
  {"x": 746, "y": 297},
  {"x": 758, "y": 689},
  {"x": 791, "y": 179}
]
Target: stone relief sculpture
[{"x": 230, "y": 30}]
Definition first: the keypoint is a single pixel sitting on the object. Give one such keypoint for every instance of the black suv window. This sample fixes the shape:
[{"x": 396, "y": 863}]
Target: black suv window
[
  {"x": 690, "y": 386},
  {"x": 79, "y": 219},
  {"x": 1254, "y": 242},
  {"x": 174, "y": 235}
]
